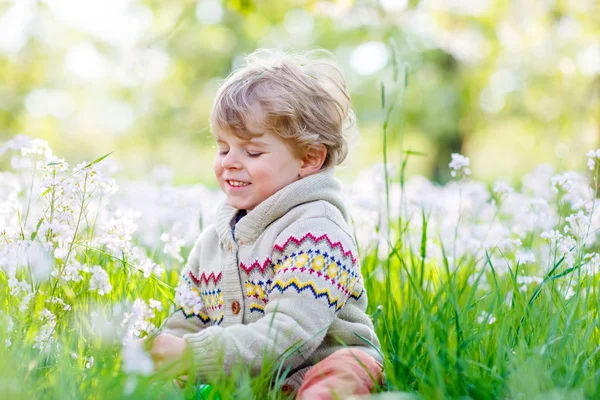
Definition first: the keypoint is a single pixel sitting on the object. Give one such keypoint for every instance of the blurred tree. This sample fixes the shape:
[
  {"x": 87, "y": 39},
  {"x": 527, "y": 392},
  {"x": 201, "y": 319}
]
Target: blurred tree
[{"x": 510, "y": 84}]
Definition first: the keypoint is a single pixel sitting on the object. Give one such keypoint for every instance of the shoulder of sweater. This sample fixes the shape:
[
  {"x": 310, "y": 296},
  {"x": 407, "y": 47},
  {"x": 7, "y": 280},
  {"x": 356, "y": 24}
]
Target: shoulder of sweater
[
  {"x": 207, "y": 237},
  {"x": 327, "y": 215}
]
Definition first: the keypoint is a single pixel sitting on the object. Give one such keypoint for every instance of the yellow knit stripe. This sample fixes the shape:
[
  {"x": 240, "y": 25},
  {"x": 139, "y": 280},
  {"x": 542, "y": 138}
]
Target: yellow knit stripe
[
  {"x": 257, "y": 307},
  {"x": 312, "y": 287}
]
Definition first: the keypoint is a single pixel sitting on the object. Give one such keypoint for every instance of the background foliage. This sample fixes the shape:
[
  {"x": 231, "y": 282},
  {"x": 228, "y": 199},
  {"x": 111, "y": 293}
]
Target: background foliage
[{"x": 510, "y": 83}]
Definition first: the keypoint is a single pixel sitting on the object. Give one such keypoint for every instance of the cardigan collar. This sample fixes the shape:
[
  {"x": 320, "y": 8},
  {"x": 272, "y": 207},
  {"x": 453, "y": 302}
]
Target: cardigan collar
[{"x": 319, "y": 186}]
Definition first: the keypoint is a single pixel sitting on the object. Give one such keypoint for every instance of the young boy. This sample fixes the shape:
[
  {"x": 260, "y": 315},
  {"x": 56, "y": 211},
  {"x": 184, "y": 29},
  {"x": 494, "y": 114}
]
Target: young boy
[{"x": 279, "y": 268}]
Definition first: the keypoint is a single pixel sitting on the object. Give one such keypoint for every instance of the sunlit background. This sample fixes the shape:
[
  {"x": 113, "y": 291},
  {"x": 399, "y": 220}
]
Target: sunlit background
[{"x": 511, "y": 84}]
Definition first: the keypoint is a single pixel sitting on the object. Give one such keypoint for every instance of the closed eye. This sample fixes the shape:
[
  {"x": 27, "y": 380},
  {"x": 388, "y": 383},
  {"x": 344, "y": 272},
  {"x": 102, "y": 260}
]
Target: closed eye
[{"x": 253, "y": 154}]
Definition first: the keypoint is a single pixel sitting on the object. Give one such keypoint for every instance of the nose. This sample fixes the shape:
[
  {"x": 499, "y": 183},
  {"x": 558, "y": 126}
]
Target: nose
[{"x": 231, "y": 160}]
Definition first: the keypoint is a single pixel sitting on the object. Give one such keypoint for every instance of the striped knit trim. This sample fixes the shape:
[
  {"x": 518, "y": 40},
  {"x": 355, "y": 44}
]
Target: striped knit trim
[
  {"x": 315, "y": 240},
  {"x": 357, "y": 296},
  {"x": 201, "y": 316},
  {"x": 255, "y": 307},
  {"x": 320, "y": 275},
  {"x": 206, "y": 278},
  {"x": 256, "y": 265},
  {"x": 218, "y": 319},
  {"x": 325, "y": 293}
]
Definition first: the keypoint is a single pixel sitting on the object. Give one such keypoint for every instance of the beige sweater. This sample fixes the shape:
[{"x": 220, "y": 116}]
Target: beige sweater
[{"x": 288, "y": 274}]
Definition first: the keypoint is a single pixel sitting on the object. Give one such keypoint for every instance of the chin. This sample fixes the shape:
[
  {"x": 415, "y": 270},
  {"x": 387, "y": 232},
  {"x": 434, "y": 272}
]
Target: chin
[{"x": 239, "y": 205}]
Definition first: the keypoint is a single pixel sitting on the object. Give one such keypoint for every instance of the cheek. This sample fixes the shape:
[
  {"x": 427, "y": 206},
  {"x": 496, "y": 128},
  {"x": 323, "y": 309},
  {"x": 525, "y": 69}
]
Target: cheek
[
  {"x": 262, "y": 171},
  {"x": 217, "y": 167}
]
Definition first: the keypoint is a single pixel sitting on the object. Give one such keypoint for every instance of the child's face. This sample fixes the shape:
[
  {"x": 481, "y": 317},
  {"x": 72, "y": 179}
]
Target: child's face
[{"x": 249, "y": 171}]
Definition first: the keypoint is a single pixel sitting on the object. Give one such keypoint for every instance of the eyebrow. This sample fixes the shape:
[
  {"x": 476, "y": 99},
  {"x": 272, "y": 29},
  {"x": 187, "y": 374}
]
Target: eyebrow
[{"x": 252, "y": 141}]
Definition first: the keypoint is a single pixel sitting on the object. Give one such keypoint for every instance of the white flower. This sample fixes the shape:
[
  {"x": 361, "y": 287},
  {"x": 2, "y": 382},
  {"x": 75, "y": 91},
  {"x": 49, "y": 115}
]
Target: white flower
[
  {"x": 188, "y": 299},
  {"x": 138, "y": 321},
  {"x": 72, "y": 271},
  {"x": 104, "y": 323},
  {"x": 60, "y": 231},
  {"x": 7, "y": 320},
  {"x": 46, "y": 335},
  {"x": 593, "y": 157},
  {"x": 459, "y": 165},
  {"x": 136, "y": 360},
  {"x": 482, "y": 284},
  {"x": 567, "y": 291},
  {"x": 561, "y": 182},
  {"x": 38, "y": 147},
  {"x": 525, "y": 257},
  {"x": 99, "y": 280},
  {"x": 118, "y": 234},
  {"x": 58, "y": 300},
  {"x": 149, "y": 267},
  {"x": 172, "y": 246},
  {"x": 551, "y": 235},
  {"x": 501, "y": 188},
  {"x": 486, "y": 317},
  {"x": 578, "y": 223},
  {"x": 47, "y": 315},
  {"x": 18, "y": 287},
  {"x": 25, "y": 253},
  {"x": 13, "y": 256},
  {"x": 25, "y": 302},
  {"x": 90, "y": 362},
  {"x": 40, "y": 261},
  {"x": 16, "y": 143},
  {"x": 52, "y": 165},
  {"x": 528, "y": 280},
  {"x": 509, "y": 245},
  {"x": 155, "y": 304}
]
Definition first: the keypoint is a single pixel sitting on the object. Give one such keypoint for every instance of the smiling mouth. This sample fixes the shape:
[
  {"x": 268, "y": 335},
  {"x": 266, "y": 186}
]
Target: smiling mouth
[{"x": 237, "y": 183}]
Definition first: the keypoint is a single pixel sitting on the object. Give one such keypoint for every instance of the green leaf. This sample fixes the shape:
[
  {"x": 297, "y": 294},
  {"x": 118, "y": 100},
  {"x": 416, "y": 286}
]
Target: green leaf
[
  {"x": 37, "y": 228},
  {"x": 98, "y": 160},
  {"x": 415, "y": 153}
]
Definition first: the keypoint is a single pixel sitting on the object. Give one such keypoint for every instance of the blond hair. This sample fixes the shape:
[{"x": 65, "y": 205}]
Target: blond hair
[{"x": 303, "y": 96}]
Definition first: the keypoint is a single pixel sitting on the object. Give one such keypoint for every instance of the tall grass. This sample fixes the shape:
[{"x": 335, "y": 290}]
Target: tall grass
[{"x": 453, "y": 326}]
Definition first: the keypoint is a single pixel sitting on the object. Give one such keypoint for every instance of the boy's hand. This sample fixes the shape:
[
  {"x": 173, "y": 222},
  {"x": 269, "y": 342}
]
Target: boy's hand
[{"x": 170, "y": 353}]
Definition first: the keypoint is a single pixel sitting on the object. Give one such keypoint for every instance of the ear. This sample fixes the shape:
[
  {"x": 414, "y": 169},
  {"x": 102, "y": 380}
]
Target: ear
[{"x": 313, "y": 161}]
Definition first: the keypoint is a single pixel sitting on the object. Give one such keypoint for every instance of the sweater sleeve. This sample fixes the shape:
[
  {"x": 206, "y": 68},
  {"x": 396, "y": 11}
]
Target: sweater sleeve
[
  {"x": 190, "y": 314},
  {"x": 314, "y": 276}
]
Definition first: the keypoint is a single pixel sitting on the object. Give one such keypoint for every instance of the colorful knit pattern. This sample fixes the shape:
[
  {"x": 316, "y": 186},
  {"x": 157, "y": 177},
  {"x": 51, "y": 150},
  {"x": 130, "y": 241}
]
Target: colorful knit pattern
[
  {"x": 205, "y": 278},
  {"x": 315, "y": 240},
  {"x": 309, "y": 287},
  {"x": 256, "y": 265},
  {"x": 216, "y": 320},
  {"x": 195, "y": 303},
  {"x": 321, "y": 274},
  {"x": 201, "y": 316},
  {"x": 258, "y": 293},
  {"x": 322, "y": 265},
  {"x": 189, "y": 301},
  {"x": 255, "y": 307},
  {"x": 213, "y": 299}
]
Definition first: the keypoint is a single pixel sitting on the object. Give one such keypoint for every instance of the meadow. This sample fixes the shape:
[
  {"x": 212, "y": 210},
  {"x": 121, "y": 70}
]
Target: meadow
[
  {"x": 481, "y": 285},
  {"x": 476, "y": 291}
]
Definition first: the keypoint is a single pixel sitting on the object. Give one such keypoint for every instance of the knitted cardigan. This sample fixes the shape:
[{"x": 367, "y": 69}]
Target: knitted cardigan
[{"x": 285, "y": 282}]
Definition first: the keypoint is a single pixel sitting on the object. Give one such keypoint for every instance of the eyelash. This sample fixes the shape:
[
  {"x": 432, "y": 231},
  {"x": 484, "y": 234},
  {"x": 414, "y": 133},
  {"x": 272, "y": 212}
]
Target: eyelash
[{"x": 253, "y": 155}]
